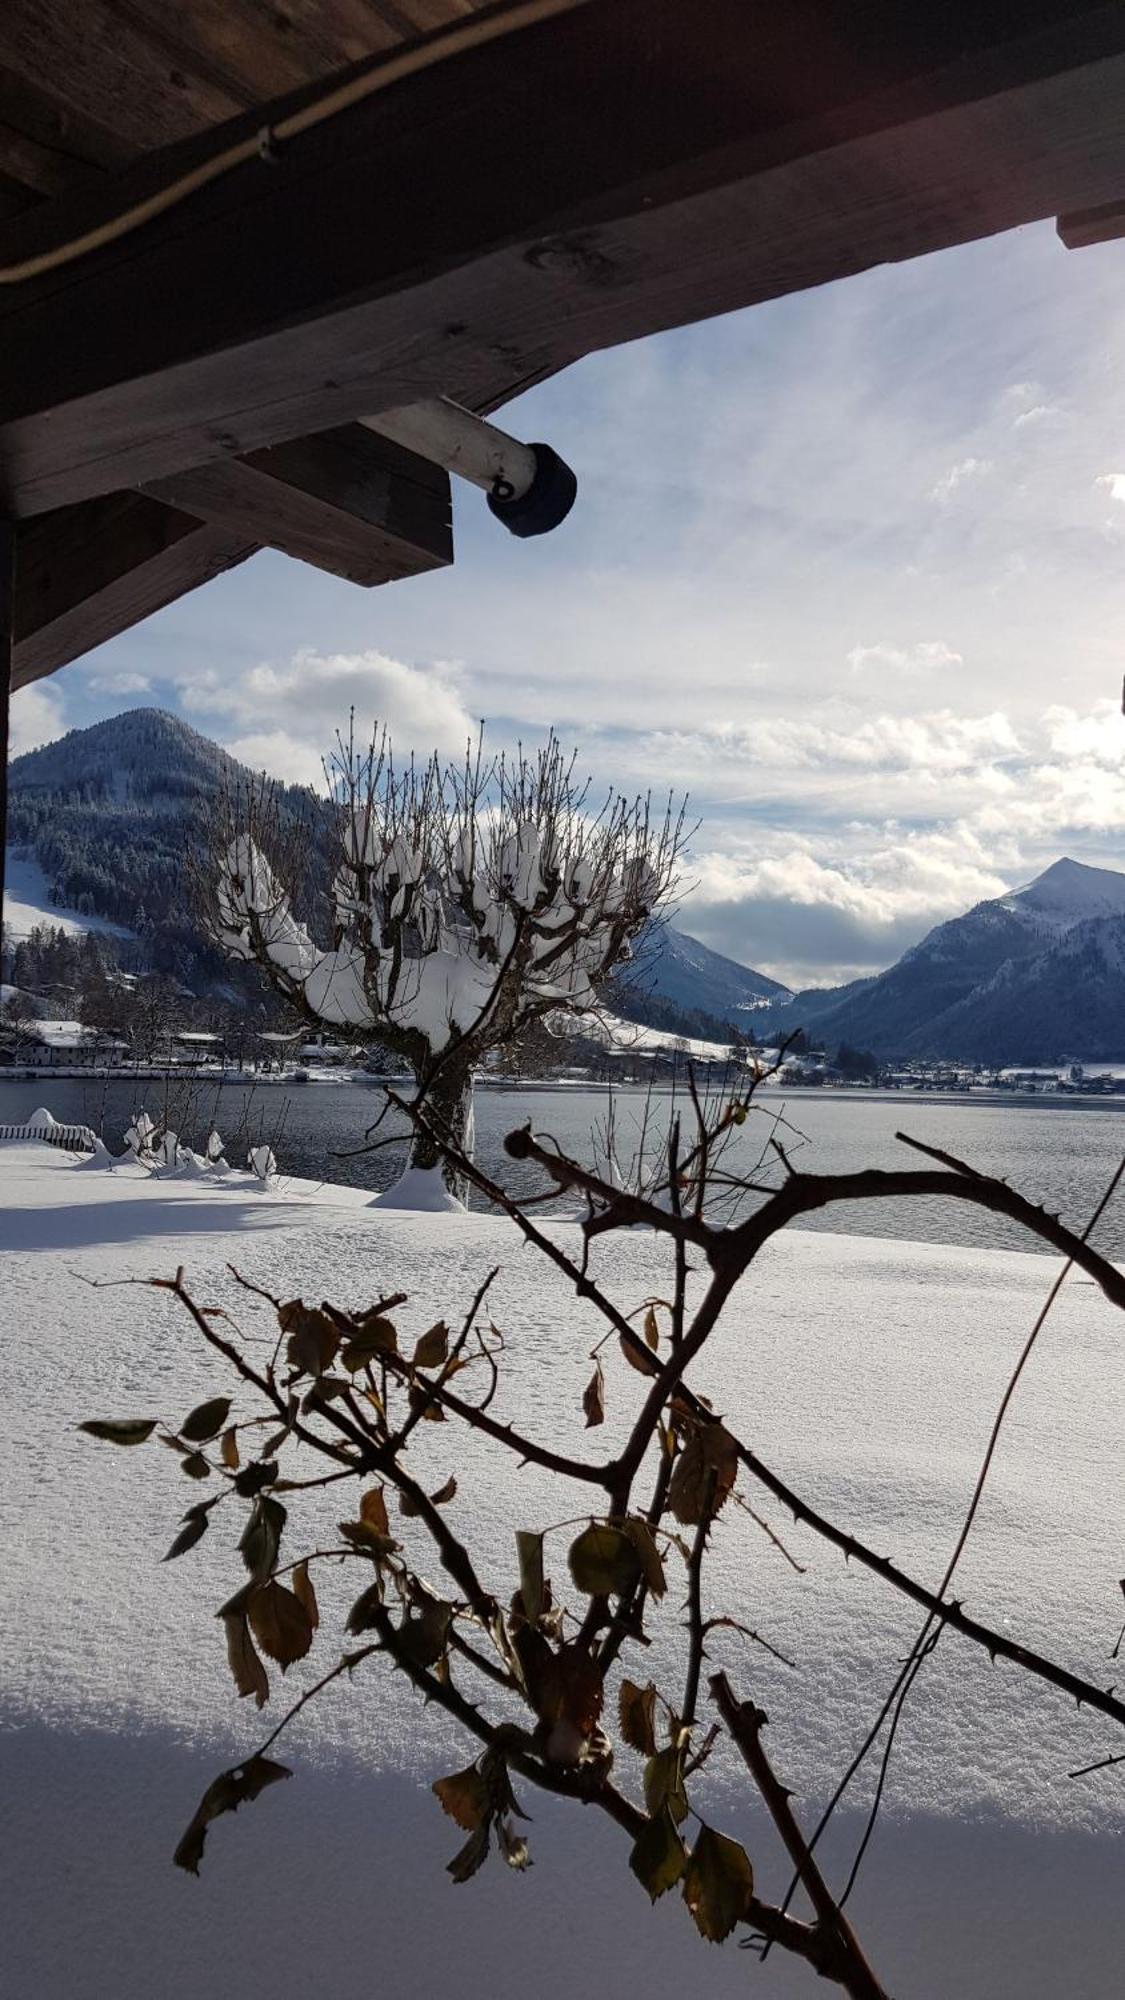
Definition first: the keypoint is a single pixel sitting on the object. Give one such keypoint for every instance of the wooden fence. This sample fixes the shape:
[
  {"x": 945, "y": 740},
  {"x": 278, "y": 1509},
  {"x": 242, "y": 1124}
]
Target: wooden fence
[{"x": 72, "y": 1138}]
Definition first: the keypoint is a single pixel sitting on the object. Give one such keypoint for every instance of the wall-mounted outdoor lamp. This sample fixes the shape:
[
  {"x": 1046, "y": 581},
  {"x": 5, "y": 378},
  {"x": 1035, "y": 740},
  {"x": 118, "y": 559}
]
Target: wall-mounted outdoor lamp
[{"x": 529, "y": 487}]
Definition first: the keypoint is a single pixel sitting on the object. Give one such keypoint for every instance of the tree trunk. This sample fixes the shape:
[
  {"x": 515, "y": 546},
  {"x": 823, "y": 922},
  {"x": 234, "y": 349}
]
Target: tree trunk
[{"x": 448, "y": 1109}]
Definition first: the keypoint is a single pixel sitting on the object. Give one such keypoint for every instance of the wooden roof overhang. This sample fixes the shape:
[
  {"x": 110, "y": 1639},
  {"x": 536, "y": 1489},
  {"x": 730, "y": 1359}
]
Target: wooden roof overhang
[{"x": 188, "y": 392}]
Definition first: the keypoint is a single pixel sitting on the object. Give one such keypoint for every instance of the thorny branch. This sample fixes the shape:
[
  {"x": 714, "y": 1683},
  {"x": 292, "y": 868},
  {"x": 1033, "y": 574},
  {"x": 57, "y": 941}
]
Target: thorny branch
[{"x": 344, "y": 1385}]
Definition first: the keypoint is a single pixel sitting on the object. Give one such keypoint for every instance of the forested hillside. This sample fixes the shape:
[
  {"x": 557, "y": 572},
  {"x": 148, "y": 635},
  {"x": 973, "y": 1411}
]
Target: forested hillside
[{"x": 115, "y": 816}]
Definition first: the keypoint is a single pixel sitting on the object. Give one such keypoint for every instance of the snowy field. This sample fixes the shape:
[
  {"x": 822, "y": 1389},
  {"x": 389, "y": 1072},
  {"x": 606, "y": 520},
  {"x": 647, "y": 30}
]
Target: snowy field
[
  {"x": 27, "y": 904},
  {"x": 866, "y": 1371}
]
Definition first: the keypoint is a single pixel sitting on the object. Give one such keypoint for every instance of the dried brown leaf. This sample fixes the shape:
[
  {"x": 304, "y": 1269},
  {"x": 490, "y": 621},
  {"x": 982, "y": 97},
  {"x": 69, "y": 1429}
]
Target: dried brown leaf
[
  {"x": 196, "y": 1524},
  {"x": 593, "y": 1398},
  {"x": 374, "y": 1336},
  {"x": 433, "y": 1348},
  {"x": 529, "y": 1548},
  {"x": 261, "y": 1537},
  {"x": 249, "y": 1674},
  {"x": 718, "y": 1884},
  {"x": 361, "y": 1616},
  {"x": 464, "y": 1796},
  {"x": 424, "y": 1636},
  {"x": 637, "y": 1709},
  {"x": 120, "y": 1430},
  {"x": 314, "y": 1339},
  {"x": 512, "y": 1844},
  {"x": 206, "y": 1420},
  {"x": 468, "y": 1859},
  {"x": 658, "y": 1857},
  {"x": 703, "y": 1475},
  {"x": 280, "y": 1623},
  {"x": 368, "y": 1540},
  {"x": 603, "y": 1560},
  {"x": 664, "y": 1782},
  {"x": 373, "y": 1510},
  {"x": 638, "y": 1357},
  {"x": 225, "y": 1794},
  {"x": 422, "y": 1404},
  {"x": 303, "y": 1590}
]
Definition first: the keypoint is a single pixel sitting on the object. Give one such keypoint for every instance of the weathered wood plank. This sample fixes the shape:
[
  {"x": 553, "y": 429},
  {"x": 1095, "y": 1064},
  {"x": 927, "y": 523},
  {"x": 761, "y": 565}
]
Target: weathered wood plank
[
  {"x": 414, "y": 246},
  {"x": 1087, "y": 226},
  {"x": 351, "y": 503},
  {"x": 90, "y": 571},
  {"x": 31, "y": 107},
  {"x": 261, "y": 50},
  {"x": 101, "y": 66}
]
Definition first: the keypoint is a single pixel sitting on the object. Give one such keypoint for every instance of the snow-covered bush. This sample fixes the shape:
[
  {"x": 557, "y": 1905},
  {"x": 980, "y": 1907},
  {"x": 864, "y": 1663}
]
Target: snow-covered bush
[{"x": 466, "y": 902}]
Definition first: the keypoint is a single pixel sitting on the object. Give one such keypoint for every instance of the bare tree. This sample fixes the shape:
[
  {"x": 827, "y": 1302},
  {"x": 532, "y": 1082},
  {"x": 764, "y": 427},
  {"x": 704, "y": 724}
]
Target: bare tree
[
  {"x": 467, "y": 902},
  {"x": 17, "y": 1018},
  {"x": 535, "y": 1662}
]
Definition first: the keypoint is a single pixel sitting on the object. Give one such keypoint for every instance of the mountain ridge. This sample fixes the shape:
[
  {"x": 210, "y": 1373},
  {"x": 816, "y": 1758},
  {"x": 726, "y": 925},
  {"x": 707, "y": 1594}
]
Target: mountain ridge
[{"x": 1037, "y": 974}]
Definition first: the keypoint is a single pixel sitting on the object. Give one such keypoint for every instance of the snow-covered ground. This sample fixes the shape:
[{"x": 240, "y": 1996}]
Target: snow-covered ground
[
  {"x": 865, "y": 1370},
  {"x": 27, "y": 904},
  {"x": 622, "y": 1034}
]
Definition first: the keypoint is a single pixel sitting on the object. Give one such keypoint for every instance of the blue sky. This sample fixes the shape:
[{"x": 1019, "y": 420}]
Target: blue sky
[{"x": 849, "y": 567}]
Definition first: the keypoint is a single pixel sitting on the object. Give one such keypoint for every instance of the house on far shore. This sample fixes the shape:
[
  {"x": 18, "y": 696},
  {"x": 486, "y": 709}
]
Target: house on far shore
[
  {"x": 189, "y": 1045},
  {"x": 58, "y": 1045}
]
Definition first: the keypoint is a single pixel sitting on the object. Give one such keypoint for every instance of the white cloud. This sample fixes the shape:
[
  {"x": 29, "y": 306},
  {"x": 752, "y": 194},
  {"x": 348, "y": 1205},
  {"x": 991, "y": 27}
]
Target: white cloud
[
  {"x": 963, "y": 473},
  {"x": 295, "y": 709},
  {"x": 1114, "y": 484},
  {"x": 1039, "y": 413},
  {"x": 1100, "y": 735},
  {"x": 36, "y": 718},
  {"x": 119, "y": 683},
  {"x": 812, "y": 917},
  {"x": 903, "y": 822},
  {"x": 280, "y": 756},
  {"x": 925, "y": 655}
]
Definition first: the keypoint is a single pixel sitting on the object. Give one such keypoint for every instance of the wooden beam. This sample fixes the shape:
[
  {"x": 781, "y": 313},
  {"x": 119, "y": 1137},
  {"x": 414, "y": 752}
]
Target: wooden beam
[
  {"x": 88, "y": 572},
  {"x": 347, "y": 501},
  {"x": 450, "y": 235},
  {"x": 100, "y": 66},
  {"x": 1087, "y": 226}
]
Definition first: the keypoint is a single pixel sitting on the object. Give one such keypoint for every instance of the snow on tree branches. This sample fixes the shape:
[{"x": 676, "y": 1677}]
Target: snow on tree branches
[{"x": 466, "y": 902}]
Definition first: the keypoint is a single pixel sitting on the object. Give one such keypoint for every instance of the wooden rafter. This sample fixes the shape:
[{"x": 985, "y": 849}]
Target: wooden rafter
[
  {"x": 451, "y": 237},
  {"x": 347, "y": 501},
  {"x": 90, "y": 571}
]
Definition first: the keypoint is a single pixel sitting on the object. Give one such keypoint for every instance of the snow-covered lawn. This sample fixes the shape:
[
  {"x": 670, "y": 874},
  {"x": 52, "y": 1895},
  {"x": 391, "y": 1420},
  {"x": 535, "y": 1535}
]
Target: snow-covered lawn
[{"x": 866, "y": 1371}]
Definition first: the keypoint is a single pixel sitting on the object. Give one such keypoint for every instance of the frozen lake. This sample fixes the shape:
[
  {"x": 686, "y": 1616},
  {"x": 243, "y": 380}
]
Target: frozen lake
[{"x": 1060, "y": 1153}]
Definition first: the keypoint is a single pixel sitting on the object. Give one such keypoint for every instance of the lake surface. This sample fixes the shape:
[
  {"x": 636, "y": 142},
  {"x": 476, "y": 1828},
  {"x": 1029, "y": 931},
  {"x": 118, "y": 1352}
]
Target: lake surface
[{"x": 1062, "y": 1154}]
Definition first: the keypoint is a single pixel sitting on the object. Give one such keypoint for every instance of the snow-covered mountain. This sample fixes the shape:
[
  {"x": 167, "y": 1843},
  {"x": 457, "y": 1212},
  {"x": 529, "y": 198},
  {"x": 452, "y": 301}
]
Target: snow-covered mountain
[
  {"x": 1066, "y": 894},
  {"x": 691, "y": 975},
  {"x": 1036, "y": 975}
]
